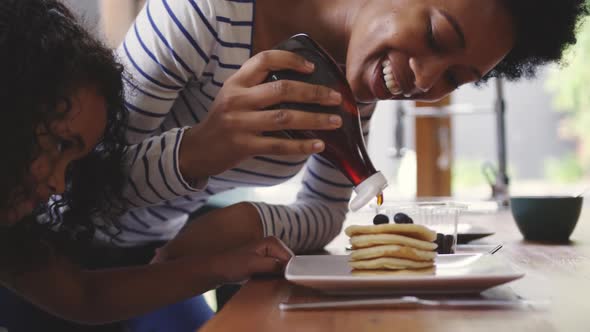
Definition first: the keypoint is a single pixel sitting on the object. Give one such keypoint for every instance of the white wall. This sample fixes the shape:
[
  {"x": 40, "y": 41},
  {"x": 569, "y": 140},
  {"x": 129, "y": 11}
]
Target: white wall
[{"x": 88, "y": 11}]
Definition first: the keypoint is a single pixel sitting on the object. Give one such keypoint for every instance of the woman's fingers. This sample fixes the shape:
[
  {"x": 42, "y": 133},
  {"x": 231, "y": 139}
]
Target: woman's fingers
[
  {"x": 256, "y": 69},
  {"x": 268, "y": 145},
  {"x": 282, "y": 119},
  {"x": 261, "y": 95},
  {"x": 272, "y": 93}
]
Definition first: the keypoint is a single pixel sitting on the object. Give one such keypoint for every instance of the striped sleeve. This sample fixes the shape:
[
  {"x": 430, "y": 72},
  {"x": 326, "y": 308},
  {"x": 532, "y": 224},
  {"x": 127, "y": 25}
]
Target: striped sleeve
[
  {"x": 319, "y": 212},
  {"x": 154, "y": 175},
  {"x": 168, "y": 45}
]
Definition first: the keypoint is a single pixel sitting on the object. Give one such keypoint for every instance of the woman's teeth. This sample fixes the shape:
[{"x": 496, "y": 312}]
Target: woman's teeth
[{"x": 390, "y": 82}]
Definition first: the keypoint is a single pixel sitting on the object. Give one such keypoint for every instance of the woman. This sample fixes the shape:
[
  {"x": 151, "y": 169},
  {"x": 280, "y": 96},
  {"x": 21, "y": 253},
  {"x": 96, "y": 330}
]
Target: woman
[
  {"x": 196, "y": 85},
  {"x": 197, "y": 72},
  {"x": 62, "y": 136}
]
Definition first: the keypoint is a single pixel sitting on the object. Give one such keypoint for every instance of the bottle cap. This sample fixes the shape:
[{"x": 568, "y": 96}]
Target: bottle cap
[{"x": 368, "y": 190}]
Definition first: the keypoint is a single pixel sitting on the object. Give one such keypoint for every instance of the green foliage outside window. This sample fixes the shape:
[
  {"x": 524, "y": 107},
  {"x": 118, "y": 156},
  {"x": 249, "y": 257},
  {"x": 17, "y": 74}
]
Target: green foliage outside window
[{"x": 571, "y": 85}]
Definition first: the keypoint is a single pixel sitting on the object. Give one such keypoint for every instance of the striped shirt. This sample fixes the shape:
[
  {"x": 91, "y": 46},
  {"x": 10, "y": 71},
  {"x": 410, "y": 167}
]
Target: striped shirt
[{"x": 178, "y": 54}]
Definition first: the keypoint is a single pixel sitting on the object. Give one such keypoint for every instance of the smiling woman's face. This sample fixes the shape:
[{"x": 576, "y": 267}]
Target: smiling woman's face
[
  {"x": 77, "y": 128},
  {"x": 409, "y": 49}
]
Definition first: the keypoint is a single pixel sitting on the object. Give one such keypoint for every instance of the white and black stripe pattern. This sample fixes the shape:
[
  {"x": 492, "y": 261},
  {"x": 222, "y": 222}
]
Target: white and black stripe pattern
[{"x": 177, "y": 55}]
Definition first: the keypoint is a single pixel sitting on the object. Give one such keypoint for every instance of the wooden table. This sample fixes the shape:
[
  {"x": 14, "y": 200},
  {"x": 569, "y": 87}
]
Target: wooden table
[{"x": 558, "y": 273}]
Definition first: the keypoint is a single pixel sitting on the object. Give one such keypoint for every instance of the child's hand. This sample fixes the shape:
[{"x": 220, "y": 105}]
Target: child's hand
[{"x": 267, "y": 256}]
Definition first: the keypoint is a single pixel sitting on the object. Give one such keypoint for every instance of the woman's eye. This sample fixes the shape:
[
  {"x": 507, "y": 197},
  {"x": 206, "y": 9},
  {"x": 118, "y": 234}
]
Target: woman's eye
[
  {"x": 452, "y": 81},
  {"x": 430, "y": 40}
]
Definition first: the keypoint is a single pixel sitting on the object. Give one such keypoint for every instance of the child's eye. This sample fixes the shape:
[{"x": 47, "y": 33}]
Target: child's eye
[{"x": 63, "y": 145}]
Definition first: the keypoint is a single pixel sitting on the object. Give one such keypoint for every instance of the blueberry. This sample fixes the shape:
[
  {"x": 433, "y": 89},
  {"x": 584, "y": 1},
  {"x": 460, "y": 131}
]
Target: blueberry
[
  {"x": 439, "y": 238},
  {"x": 439, "y": 242},
  {"x": 402, "y": 218},
  {"x": 448, "y": 241},
  {"x": 445, "y": 243},
  {"x": 380, "y": 219}
]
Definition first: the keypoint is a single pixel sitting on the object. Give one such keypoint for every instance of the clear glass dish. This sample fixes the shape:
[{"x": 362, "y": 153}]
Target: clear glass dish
[{"x": 441, "y": 217}]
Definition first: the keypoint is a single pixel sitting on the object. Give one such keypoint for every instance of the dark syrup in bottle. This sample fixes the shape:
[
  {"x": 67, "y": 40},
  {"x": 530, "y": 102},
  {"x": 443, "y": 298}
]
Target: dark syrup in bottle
[{"x": 345, "y": 146}]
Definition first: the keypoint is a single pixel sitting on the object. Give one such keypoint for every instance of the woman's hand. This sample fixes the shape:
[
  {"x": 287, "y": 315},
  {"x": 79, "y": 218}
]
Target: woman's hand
[
  {"x": 266, "y": 256},
  {"x": 233, "y": 129}
]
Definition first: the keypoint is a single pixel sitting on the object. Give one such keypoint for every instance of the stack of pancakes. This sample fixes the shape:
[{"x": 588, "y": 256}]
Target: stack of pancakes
[{"x": 391, "y": 247}]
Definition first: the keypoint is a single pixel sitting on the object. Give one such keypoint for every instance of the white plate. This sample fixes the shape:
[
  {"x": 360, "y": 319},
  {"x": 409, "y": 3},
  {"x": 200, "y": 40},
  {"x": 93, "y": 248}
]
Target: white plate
[{"x": 454, "y": 274}]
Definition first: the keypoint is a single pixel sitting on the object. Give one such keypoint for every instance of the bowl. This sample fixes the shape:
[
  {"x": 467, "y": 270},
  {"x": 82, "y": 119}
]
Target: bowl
[
  {"x": 546, "y": 218},
  {"x": 440, "y": 216}
]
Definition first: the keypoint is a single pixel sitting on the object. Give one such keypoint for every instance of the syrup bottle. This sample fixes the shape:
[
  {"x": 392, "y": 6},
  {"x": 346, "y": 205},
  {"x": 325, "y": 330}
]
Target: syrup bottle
[{"x": 345, "y": 147}]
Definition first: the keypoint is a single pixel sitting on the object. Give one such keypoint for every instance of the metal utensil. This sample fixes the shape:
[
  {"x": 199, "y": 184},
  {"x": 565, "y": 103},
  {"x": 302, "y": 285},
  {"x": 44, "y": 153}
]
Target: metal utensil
[
  {"x": 495, "y": 249},
  {"x": 411, "y": 301},
  {"x": 491, "y": 251}
]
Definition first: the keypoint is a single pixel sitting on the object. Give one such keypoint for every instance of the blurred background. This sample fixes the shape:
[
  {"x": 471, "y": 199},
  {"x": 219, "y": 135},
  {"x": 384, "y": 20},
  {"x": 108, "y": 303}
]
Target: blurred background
[{"x": 546, "y": 119}]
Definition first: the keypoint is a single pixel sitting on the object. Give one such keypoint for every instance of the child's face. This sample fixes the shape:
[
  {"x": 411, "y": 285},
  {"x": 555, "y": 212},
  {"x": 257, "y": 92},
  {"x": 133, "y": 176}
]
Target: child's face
[
  {"x": 433, "y": 46},
  {"x": 75, "y": 132}
]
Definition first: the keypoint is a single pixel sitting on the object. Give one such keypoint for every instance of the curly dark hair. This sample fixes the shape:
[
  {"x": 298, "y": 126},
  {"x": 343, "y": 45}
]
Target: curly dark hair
[
  {"x": 45, "y": 55},
  {"x": 544, "y": 30}
]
